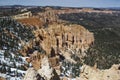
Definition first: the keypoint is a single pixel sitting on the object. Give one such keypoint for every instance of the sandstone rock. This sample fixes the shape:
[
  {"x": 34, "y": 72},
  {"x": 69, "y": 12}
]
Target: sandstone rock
[
  {"x": 41, "y": 68},
  {"x": 31, "y": 74},
  {"x": 36, "y": 59},
  {"x": 45, "y": 70},
  {"x": 54, "y": 61},
  {"x": 64, "y": 78},
  {"x": 59, "y": 36},
  {"x": 90, "y": 73},
  {"x": 1, "y": 78},
  {"x": 56, "y": 40}
]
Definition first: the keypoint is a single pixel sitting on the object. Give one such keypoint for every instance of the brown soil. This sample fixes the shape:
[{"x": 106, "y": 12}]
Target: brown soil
[{"x": 31, "y": 21}]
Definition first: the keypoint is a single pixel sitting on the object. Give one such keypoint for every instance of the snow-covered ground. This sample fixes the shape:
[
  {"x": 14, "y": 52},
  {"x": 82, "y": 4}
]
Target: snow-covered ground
[
  {"x": 12, "y": 36},
  {"x": 9, "y": 67}
]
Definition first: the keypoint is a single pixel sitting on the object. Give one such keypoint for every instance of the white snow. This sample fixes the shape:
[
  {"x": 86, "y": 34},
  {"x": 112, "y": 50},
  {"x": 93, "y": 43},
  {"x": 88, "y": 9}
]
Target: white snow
[
  {"x": 9, "y": 61},
  {"x": 2, "y": 51},
  {"x": 2, "y": 75}
]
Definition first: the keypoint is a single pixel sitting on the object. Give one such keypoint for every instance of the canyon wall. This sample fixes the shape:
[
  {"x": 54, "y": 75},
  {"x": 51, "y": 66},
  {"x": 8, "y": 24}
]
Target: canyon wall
[{"x": 57, "y": 40}]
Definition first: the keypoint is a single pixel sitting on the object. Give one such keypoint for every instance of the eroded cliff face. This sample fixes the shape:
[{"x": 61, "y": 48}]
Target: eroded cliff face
[
  {"x": 64, "y": 40},
  {"x": 59, "y": 42},
  {"x": 58, "y": 38}
]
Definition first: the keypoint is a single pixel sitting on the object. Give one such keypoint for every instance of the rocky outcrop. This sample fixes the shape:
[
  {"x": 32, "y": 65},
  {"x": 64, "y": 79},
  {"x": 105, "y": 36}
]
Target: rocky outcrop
[
  {"x": 91, "y": 73},
  {"x": 59, "y": 41},
  {"x": 58, "y": 38},
  {"x": 23, "y": 15},
  {"x": 31, "y": 74},
  {"x": 41, "y": 69},
  {"x": 36, "y": 59}
]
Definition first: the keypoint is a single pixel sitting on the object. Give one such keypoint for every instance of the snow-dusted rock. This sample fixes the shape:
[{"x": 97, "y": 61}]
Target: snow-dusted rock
[
  {"x": 31, "y": 74},
  {"x": 91, "y": 73},
  {"x": 45, "y": 71}
]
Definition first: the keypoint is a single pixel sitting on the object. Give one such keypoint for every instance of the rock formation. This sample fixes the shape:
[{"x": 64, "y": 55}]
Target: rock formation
[
  {"x": 91, "y": 73},
  {"x": 1, "y": 78},
  {"x": 41, "y": 68},
  {"x": 56, "y": 40},
  {"x": 31, "y": 74},
  {"x": 58, "y": 37},
  {"x": 23, "y": 15}
]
